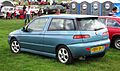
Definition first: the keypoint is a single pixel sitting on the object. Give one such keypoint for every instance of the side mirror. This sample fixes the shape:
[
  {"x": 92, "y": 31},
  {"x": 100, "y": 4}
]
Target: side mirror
[{"x": 24, "y": 29}]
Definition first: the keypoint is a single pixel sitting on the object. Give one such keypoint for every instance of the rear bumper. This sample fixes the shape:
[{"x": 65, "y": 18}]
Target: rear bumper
[{"x": 78, "y": 50}]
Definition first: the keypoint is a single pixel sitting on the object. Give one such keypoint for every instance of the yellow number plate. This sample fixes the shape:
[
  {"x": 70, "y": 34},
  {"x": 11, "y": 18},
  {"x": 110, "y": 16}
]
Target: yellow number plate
[{"x": 97, "y": 49}]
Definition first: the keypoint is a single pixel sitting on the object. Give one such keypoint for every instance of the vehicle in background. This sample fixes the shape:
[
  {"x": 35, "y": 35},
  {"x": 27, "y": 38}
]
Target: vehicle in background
[
  {"x": 8, "y": 9},
  {"x": 19, "y": 9},
  {"x": 34, "y": 9},
  {"x": 1, "y": 14},
  {"x": 65, "y": 37},
  {"x": 19, "y": 12},
  {"x": 51, "y": 9},
  {"x": 43, "y": 3},
  {"x": 113, "y": 25}
]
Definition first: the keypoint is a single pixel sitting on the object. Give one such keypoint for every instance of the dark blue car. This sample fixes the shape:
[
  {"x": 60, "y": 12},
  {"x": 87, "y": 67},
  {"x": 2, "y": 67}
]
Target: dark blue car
[{"x": 65, "y": 37}]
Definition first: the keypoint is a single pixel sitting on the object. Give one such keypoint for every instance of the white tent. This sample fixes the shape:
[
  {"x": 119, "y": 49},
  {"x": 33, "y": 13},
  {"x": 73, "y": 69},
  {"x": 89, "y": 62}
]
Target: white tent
[{"x": 7, "y": 2}]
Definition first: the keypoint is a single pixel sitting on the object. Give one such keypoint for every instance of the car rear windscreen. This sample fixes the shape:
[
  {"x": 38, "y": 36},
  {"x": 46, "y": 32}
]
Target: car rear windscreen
[{"x": 90, "y": 24}]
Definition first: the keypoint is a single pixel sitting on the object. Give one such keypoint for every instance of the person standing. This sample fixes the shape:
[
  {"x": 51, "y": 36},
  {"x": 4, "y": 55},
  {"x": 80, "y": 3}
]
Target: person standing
[
  {"x": 19, "y": 2},
  {"x": 27, "y": 17},
  {"x": 58, "y": 11},
  {"x": 24, "y": 8},
  {"x": 112, "y": 13},
  {"x": 40, "y": 12}
]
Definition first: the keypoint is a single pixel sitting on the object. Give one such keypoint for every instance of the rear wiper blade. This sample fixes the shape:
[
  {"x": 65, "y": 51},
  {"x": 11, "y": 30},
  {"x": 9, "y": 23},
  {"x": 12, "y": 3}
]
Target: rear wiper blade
[{"x": 98, "y": 29}]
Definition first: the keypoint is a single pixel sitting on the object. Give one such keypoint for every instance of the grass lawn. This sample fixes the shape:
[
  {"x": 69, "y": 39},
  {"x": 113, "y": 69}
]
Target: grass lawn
[{"x": 31, "y": 62}]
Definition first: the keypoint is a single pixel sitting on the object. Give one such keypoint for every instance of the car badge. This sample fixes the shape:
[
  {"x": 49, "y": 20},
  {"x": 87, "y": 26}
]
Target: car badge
[{"x": 96, "y": 33}]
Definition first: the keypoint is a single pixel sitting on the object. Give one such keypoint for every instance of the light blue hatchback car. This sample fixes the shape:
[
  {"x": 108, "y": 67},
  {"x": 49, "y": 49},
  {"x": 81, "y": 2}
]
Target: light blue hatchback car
[{"x": 64, "y": 36}]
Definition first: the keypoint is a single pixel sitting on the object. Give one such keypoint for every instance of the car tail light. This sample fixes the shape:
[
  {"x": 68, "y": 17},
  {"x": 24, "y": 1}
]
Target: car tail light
[
  {"x": 105, "y": 33},
  {"x": 106, "y": 45},
  {"x": 88, "y": 49},
  {"x": 81, "y": 36}
]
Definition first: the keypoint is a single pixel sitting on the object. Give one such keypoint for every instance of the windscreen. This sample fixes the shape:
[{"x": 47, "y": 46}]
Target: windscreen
[{"x": 90, "y": 24}]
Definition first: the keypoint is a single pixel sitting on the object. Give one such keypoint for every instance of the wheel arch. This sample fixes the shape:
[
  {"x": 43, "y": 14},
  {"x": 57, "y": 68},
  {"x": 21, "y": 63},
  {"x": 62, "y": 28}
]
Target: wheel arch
[
  {"x": 13, "y": 38},
  {"x": 56, "y": 48},
  {"x": 114, "y": 37}
]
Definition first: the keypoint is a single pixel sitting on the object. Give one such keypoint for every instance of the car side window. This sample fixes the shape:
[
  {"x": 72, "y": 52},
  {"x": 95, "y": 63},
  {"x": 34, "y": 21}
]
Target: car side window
[
  {"x": 37, "y": 24},
  {"x": 112, "y": 23},
  {"x": 61, "y": 24},
  {"x": 69, "y": 25}
]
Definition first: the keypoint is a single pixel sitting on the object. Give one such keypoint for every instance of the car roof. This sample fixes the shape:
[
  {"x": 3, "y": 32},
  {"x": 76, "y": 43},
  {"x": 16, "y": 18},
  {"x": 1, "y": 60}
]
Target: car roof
[
  {"x": 19, "y": 6},
  {"x": 113, "y": 17},
  {"x": 69, "y": 16},
  {"x": 8, "y": 7}
]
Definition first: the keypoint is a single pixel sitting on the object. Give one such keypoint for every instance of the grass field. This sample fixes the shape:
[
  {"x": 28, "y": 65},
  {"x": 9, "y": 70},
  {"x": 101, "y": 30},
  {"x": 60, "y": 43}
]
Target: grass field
[{"x": 31, "y": 62}]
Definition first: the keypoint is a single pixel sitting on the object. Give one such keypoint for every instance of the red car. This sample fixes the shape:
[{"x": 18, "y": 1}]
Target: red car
[
  {"x": 19, "y": 12},
  {"x": 113, "y": 25}
]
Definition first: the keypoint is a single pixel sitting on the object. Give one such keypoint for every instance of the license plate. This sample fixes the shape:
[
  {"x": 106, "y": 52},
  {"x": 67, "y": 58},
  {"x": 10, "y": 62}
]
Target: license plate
[{"x": 97, "y": 49}]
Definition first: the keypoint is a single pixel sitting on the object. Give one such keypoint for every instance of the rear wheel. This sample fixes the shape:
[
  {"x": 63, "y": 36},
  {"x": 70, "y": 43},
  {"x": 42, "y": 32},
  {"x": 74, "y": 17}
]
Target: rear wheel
[
  {"x": 14, "y": 45},
  {"x": 116, "y": 43},
  {"x": 64, "y": 55}
]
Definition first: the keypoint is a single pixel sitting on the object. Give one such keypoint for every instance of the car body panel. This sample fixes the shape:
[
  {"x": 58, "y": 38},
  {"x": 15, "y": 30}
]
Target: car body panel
[{"x": 45, "y": 42}]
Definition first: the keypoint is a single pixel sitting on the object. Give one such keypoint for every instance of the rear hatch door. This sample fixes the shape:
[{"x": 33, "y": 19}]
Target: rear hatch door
[{"x": 93, "y": 28}]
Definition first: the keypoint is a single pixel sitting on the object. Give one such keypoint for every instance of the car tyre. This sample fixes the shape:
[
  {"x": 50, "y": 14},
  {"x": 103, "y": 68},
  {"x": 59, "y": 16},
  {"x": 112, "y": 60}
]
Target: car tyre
[
  {"x": 64, "y": 55},
  {"x": 15, "y": 46},
  {"x": 116, "y": 43}
]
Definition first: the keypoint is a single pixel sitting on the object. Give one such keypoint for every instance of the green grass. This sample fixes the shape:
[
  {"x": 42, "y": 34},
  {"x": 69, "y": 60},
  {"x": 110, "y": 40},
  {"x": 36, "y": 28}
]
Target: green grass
[{"x": 31, "y": 62}]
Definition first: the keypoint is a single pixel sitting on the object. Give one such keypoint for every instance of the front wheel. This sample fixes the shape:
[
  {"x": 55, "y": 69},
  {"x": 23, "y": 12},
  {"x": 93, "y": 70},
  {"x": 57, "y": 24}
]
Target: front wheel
[
  {"x": 64, "y": 55},
  {"x": 14, "y": 45}
]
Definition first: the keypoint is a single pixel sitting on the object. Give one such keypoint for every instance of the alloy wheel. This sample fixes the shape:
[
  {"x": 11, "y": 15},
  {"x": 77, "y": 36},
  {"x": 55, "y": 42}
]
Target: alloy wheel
[
  {"x": 15, "y": 46},
  {"x": 63, "y": 55},
  {"x": 117, "y": 43}
]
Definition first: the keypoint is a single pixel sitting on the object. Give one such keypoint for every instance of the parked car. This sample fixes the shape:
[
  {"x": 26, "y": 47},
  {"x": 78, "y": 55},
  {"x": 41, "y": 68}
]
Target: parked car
[
  {"x": 34, "y": 9},
  {"x": 2, "y": 15},
  {"x": 19, "y": 9},
  {"x": 113, "y": 25},
  {"x": 7, "y": 9},
  {"x": 62, "y": 36},
  {"x": 19, "y": 12},
  {"x": 50, "y": 9}
]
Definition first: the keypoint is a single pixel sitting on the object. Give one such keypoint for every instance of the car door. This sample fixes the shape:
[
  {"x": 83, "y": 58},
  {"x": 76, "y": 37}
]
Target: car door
[
  {"x": 113, "y": 27},
  {"x": 60, "y": 31},
  {"x": 33, "y": 37}
]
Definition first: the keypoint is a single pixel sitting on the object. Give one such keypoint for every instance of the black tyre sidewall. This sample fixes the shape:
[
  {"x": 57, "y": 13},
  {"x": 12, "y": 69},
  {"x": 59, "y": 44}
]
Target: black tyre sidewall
[{"x": 114, "y": 42}]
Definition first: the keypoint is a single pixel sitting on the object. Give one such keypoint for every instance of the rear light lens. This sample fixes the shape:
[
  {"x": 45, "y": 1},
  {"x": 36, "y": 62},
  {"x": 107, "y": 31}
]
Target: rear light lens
[
  {"x": 88, "y": 49},
  {"x": 81, "y": 36},
  {"x": 105, "y": 33}
]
